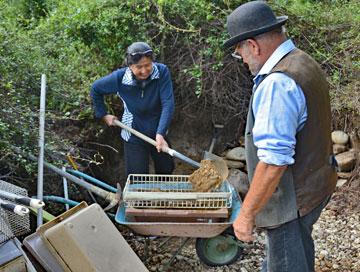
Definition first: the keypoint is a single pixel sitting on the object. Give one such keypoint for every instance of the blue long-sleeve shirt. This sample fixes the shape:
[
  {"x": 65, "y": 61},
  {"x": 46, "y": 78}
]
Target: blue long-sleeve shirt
[
  {"x": 148, "y": 110},
  {"x": 279, "y": 108}
]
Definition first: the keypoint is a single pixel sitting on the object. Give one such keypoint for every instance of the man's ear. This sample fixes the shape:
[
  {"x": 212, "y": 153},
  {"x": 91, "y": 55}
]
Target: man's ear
[{"x": 254, "y": 46}]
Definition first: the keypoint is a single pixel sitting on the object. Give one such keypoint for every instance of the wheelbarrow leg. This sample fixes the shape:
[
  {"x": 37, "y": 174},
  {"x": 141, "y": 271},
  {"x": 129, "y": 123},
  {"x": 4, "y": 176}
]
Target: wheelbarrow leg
[
  {"x": 146, "y": 256},
  {"x": 146, "y": 249},
  {"x": 167, "y": 239},
  {"x": 182, "y": 245}
]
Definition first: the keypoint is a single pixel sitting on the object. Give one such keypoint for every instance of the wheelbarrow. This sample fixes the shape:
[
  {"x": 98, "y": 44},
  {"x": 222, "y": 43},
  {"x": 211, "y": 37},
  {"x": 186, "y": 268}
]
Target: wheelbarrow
[
  {"x": 164, "y": 199},
  {"x": 165, "y": 206}
]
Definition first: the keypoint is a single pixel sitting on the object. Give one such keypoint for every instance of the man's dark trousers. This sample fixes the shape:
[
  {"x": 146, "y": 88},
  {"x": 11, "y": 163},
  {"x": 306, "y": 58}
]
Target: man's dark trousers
[{"x": 290, "y": 247}]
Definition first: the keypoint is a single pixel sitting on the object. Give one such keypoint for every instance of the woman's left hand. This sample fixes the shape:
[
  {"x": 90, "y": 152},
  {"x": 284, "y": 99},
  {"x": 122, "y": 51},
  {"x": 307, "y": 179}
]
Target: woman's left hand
[{"x": 161, "y": 144}]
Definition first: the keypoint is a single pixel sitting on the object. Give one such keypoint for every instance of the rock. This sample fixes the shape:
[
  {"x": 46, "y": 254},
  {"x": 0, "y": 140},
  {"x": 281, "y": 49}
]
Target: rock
[
  {"x": 321, "y": 256},
  {"x": 328, "y": 263},
  {"x": 341, "y": 182},
  {"x": 239, "y": 180},
  {"x": 346, "y": 161},
  {"x": 339, "y": 137},
  {"x": 338, "y": 148},
  {"x": 236, "y": 154},
  {"x": 242, "y": 141},
  {"x": 344, "y": 175},
  {"x": 235, "y": 164},
  {"x": 324, "y": 252},
  {"x": 355, "y": 141}
]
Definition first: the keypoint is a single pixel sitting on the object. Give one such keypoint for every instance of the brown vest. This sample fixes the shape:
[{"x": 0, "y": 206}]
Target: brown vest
[{"x": 312, "y": 177}]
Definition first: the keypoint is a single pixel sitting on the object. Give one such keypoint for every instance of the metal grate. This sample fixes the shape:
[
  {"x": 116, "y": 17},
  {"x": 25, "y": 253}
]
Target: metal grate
[
  {"x": 172, "y": 192},
  {"x": 11, "y": 224}
]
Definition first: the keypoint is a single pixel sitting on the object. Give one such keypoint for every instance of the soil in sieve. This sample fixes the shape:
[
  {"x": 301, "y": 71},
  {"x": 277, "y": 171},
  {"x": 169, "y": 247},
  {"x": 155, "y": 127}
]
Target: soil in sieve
[{"x": 206, "y": 178}]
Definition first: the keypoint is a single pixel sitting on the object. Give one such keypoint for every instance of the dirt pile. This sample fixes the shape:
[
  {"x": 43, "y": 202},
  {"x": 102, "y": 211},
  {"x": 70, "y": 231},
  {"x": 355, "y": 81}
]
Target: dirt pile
[{"x": 206, "y": 178}]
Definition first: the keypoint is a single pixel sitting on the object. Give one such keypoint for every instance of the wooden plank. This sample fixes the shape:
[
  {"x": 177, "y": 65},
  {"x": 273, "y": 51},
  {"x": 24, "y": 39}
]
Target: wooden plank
[
  {"x": 46, "y": 216},
  {"x": 174, "y": 196},
  {"x": 195, "y": 213},
  {"x": 156, "y": 219}
]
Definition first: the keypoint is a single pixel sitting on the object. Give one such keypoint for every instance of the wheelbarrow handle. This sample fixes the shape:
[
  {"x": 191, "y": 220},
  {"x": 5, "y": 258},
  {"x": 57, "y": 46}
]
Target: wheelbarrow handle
[
  {"x": 24, "y": 200},
  {"x": 17, "y": 209},
  {"x": 147, "y": 139}
]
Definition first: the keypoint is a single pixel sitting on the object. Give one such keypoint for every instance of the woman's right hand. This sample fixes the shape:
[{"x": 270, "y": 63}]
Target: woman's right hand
[{"x": 109, "y": 119}]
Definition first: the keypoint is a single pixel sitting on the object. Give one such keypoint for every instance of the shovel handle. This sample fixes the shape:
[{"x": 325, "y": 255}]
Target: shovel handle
[
  {"x": 135, "y": 132},
  {"x": 147, "y": 139}
]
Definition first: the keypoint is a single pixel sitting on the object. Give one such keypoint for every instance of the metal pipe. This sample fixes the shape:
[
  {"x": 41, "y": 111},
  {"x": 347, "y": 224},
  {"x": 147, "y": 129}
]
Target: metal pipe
[
  {"x": 66, "y": 193},
  {"x": 96, "y": 190},
  {"x": 70, "y": 202},
  {"x": 40, "y": 180},
  {"x": 74, "y": 165},
  {"x": 92, "y": 180},
  {"x": 108, "y": 196},
  {"x": 62, "y": 200}
]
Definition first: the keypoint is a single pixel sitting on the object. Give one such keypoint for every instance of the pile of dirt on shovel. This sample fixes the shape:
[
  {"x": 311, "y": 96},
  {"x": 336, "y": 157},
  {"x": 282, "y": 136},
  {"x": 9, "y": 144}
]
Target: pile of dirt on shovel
[{"x": 206, "y": 178}]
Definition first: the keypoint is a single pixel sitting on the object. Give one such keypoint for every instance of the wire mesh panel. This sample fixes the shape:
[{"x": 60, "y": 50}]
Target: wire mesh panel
[
  {"x": 172, "y": 192},
  {"x": 11, "y": 224},
  {"x": 5, "y": 231}
]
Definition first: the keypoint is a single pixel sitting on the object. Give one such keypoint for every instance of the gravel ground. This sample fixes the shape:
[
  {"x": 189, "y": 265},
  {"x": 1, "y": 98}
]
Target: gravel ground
[{"x": 336, "y": 234}]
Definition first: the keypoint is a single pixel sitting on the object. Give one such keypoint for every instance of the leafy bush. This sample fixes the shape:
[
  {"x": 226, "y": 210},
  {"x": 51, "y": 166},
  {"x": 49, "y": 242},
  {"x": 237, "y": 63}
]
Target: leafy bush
[{"x": 74, "y": 42}]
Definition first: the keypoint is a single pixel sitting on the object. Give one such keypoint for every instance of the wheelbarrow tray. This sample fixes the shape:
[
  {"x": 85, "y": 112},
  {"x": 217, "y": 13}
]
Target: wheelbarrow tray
[{"x": 180, "y": 229}]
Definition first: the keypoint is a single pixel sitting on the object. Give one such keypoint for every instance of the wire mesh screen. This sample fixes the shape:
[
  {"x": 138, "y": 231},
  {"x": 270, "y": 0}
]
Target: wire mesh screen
[
  {"x": 172, "y": 192},
  {"x": 11, "y": 224}
]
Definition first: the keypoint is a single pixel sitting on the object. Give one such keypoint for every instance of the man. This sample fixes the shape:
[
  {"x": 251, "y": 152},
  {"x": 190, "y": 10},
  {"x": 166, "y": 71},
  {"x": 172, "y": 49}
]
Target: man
[{"x": 288, "y": 146}]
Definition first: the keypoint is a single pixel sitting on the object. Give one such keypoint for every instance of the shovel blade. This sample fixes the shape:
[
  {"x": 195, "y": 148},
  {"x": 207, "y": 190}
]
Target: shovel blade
[{"x": 219, "y": 164}]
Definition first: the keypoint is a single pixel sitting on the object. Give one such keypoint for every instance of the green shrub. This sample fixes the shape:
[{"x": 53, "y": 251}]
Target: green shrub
[{"x": 75, "y": 42}]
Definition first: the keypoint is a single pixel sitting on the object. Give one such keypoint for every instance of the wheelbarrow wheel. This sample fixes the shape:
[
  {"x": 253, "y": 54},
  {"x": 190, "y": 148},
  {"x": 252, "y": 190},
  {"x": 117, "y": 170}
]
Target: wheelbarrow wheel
[{"x": 219, "y": 250}]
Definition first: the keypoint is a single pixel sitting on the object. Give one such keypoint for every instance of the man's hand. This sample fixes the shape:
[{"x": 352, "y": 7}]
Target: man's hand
[
  {"x": 109, "y": 119},
  {"x": 244, "y": 226},
  {"x": 161, "y": 144},
  {"x": 266, "y": 179}
]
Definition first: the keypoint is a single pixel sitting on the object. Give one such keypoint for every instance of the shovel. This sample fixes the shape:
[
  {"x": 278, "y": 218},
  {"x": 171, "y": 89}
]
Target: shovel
[
  {"x": 218, "y": 162},
  {"x": 147, "y": 139}
]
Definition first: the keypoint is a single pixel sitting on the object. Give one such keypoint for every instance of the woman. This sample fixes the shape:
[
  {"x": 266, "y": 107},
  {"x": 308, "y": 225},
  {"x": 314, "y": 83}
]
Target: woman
[{"x": 146, "y": 91}]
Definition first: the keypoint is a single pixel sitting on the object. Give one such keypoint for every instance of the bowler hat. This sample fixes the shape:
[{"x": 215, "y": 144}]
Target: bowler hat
[{"x": 251, "y": 19}]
